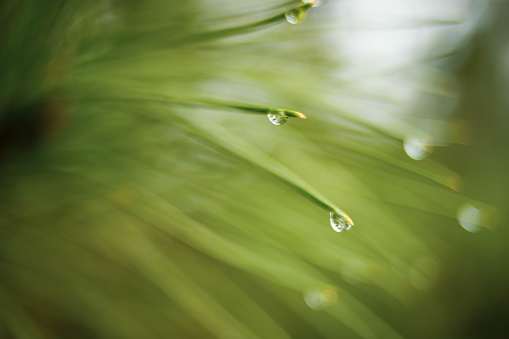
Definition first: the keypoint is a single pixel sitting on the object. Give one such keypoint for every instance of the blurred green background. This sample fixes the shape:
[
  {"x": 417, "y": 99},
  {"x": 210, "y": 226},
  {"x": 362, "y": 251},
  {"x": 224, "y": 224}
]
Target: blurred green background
[{"x": 145, "y": 194}]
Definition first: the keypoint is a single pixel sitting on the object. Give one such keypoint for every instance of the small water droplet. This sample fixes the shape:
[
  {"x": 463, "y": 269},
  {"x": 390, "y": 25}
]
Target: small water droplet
[
  {"x": 470, "y": 218},
  {"x": 278, "y": 117},
  {"x": 296, "y": 15},
  {"x": 316, "y": 3},
  {"x": 321, "y": 298},
  {"x": 339, "y": 223},
  {"x": 415, "y": 148}
]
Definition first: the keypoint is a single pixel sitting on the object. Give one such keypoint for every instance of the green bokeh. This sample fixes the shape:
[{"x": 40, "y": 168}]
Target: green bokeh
[{"x": 141, "y": 199}]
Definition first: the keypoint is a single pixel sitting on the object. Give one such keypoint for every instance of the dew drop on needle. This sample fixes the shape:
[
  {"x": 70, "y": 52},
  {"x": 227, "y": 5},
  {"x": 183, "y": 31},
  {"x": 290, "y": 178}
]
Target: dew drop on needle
[
  {"x": 470, "y": 218},
  {"x": 314, "y": 3},
  {"x": 296, "y": 15},
  {"x": 278, "y": 117},
  {"x": 415, "y": 148},
  {"x": 340, "y": 223}
]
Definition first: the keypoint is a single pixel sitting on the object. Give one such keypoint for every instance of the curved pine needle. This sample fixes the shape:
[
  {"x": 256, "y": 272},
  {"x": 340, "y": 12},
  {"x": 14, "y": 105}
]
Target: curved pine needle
[
  {"x": 254, "y": 109},
  {"x": 239, "y": 147},
  {"x": 257, "y": 25}
]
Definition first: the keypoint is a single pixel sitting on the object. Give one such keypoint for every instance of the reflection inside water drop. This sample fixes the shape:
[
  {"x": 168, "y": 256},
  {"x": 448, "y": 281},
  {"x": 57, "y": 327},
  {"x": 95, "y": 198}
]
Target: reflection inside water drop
[
  {"x": 278, "y": 117},
  {"x": 296, "y": 15},
  {"x": 340, "y": 223}
]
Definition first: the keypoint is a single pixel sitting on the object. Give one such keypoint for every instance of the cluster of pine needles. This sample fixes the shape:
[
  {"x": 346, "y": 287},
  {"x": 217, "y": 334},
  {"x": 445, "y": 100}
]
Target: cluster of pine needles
[{"x": 145, "y": 194}]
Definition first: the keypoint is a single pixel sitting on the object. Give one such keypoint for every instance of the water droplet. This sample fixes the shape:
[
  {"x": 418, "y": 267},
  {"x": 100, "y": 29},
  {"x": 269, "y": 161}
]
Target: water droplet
[
  {"x": 470, "y": 218},
  {"x": 320, "y": 298},
  {"x": 296, "y": 15},
  {"x": 278, "y": 117},
  {"x": 415, "y": 148},
  {"x": 340, "y": 223},
  {"x": 316, "y": 3}
]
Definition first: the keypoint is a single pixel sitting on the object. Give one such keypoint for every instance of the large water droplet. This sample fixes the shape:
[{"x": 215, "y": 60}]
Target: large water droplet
[
  {"x": 321, "y": 298},
  {"x": 470, "y": 218},
  {"x": 415, "y": 148},
  {"x": 278, "y": 117},
  {"x": 339, "y": 223},
  {"x": 296, "y": 15}
]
